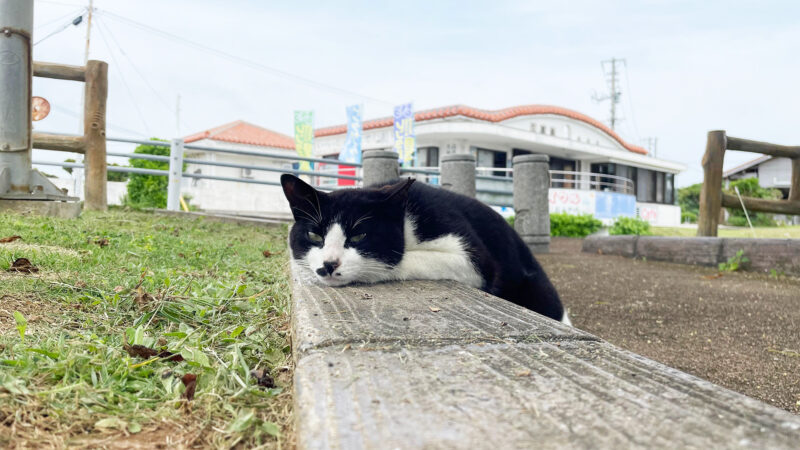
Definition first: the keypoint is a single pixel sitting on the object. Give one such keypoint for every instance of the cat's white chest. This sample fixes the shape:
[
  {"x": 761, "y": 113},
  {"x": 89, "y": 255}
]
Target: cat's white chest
[{"x": 443, "y": 258}]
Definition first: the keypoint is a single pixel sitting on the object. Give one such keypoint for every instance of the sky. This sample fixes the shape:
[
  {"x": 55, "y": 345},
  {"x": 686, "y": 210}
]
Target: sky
[{"x": 690, "y": 67}]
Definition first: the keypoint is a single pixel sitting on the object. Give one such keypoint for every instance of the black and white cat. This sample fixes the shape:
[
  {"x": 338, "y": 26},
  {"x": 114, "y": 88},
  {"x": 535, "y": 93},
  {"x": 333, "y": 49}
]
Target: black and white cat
[{"x": 411, "y": 231}]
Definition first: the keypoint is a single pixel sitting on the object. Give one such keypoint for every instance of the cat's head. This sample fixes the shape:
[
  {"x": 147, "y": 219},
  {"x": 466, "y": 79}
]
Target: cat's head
[{"x": 347, "y": 236}]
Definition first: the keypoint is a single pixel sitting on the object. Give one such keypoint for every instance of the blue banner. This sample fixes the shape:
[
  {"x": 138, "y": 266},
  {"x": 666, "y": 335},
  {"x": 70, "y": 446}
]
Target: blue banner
[
  {"x": 404, "y": 141},
  {"x": 352, "y": 146},
  {"x": 610, "y": 205}
]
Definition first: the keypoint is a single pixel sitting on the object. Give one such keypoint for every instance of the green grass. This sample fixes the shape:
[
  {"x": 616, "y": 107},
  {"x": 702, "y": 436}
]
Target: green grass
[
  {"x": 213, "y": 297},
  {"x": 790, "y": 232}
]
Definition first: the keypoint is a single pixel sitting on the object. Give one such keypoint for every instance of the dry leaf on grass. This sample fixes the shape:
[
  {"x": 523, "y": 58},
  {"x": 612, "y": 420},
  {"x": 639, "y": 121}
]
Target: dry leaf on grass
[
  {"x": 142, "y": 298},
  {"x": 144, "y": 352},
  {"x": 523, "y": 373},
  {"x": 101, "y": 242},
  {"x": 434, "y": 309},
  {"x": 190, "y": 381},
  {"x": 711, "y": 277},
  {"x": 266, "y": 253},
  {"x": 6, "y": 240},
  {"x": 22, "y": 265}
]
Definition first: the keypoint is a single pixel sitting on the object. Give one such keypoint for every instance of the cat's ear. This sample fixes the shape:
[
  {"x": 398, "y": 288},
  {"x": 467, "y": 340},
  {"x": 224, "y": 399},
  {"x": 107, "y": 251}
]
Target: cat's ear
[
  {"x": 398, "y": 192},
  {"x": 303, "y": 199}
]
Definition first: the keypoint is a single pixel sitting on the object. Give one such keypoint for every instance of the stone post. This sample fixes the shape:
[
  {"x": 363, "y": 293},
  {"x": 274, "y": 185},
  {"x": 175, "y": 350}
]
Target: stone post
[
  {"x": 531, "y": 201},
  {"x": 379, "y": 167},
  {"x": 458, "y": 173}
]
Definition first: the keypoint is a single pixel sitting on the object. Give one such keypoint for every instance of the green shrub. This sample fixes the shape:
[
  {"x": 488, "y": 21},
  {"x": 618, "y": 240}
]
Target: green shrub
[
  {"x": 630, "y": 225},
  {"x": 688, "y": 217},
  {"x": 749, "y": 187},
  {"x": 148, "y": 191},
  {"x": 510, "y": 220},
  {"x": 569, "y": 225},
  {"x": 117, "y": 176}
]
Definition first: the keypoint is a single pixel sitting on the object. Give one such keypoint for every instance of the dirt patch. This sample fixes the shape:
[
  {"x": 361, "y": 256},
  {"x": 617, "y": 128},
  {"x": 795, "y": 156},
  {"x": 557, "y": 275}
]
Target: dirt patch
[
  {"x": 39, "y": 314},
  {"x": 738, "y": 330},
  {"x": 19, "y": 246}
]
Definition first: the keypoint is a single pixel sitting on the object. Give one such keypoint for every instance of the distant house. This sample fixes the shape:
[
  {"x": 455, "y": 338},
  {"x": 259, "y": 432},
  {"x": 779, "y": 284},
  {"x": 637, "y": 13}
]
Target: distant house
[
  {"x": 772, "y": 172},
  {"x": 599, "y": 173},
  {"x": 222, "y": 196}
]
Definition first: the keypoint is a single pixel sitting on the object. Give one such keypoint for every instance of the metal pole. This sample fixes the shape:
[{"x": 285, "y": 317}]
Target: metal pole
[
  {"x": 175, "y": 175},
  {"x": 16, "y": 22}
]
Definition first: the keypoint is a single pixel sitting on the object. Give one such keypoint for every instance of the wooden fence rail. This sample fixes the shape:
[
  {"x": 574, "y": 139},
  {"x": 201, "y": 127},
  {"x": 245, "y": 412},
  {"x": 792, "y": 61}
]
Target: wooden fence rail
[
  {"x": 712, "y": 199},
  {"x": 93, "y": 142}
]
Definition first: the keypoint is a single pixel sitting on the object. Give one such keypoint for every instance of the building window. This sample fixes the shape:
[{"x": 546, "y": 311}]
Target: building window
[
  {"x": 542, "y": 129},
  {"x": 247, "y": 173},
  {"x": 669, "y": 189},
  {"x": 427, "y": 157},
  {"x": 492, "y": 158},
  {"x": 533, "y": 127}
]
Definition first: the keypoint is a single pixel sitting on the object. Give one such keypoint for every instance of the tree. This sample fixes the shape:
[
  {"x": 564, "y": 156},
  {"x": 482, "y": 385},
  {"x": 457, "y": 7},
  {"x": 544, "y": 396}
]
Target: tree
[
  {"x": 148, "y": 191},
  {"x": 689, "y": 200},
  {"x": 116, "y": 176},
  {"x": 749, "y": 187}
]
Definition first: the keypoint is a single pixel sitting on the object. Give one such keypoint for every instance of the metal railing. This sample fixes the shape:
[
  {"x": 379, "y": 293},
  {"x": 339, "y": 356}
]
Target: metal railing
[
  {"x": 176, "y": 160},
  {"x": 562, "y": 179}
]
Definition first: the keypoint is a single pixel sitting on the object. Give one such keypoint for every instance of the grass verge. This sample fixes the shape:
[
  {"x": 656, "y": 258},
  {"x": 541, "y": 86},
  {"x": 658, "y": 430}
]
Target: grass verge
[
  {"x": 785, "y": 232},
  {"x": 77, "y": 337}
]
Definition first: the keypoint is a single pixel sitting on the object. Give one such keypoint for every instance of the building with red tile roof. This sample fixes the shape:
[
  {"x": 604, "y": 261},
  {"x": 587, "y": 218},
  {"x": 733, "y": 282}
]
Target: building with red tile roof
[{"x": 241, "y": 132}]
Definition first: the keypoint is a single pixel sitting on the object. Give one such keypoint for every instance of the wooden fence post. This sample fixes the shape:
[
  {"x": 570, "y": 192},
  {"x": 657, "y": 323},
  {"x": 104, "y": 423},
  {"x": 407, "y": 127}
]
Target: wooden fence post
[
  {"x": 94, "y": 131},
  {"x": 711, "y": 192},
  {"x": 794, "y": 191}
]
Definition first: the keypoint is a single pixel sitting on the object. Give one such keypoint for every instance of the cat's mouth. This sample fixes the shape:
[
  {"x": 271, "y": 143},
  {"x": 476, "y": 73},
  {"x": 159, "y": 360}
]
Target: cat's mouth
[{"x": 333, "y": 280}]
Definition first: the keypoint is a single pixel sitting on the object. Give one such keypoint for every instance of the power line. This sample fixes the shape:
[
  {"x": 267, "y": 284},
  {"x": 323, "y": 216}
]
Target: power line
[
  {"x": 72, "y": 113},
  {"x": 125, "y": 83},
  {"x": 107, "y": 30},
  {"x": 60, "y": 19},
  {"x": 75, "y": 21},
  {"x": 630, "y": 102},
  {"x": 244, "y": 61}
]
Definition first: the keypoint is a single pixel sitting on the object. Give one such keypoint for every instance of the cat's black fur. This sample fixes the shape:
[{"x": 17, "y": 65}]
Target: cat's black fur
[{"x": 505, "y": 263}]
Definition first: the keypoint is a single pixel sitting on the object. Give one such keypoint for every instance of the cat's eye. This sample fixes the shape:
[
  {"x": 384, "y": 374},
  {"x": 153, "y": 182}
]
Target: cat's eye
[
  {"x": 314, "y": 237},
  {"x": 358, "y": 238}
]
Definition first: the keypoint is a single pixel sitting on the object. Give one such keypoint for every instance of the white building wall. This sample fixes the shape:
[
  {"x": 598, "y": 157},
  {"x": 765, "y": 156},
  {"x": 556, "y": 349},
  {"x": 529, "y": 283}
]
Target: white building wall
[
  {"x": 237, "y": 197},
  {"x": 775, "y": 173}
]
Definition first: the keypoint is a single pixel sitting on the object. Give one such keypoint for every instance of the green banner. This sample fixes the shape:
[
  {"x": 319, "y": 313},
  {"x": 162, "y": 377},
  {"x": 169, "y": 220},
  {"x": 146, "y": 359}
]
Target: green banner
[{"x": 304, "y": 136}]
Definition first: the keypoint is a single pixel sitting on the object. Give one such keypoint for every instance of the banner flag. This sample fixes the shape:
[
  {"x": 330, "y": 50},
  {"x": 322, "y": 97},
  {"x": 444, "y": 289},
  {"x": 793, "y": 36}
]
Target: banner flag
[
  {"x": 352, "y": 146},
  {"x": 404, "y": 141},
  {"x": 304, "y": 136}
]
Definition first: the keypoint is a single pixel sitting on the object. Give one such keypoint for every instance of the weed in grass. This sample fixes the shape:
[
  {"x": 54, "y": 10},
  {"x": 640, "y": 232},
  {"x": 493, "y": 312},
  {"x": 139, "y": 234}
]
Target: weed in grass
[
  {"x": 734, "y": 263},
  {"x": 218, "y": 313}
]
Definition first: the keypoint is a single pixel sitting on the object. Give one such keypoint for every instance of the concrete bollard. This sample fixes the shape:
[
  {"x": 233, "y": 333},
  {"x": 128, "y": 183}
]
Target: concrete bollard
[
  {"x": 531, "y": 201},
  {"x": 458, "y": 173},
  {"x": 379, "y": 167}
]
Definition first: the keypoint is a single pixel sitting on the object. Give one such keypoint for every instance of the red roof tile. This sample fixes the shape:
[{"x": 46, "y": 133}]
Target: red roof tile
[
  {"x": 241, "y": 132},
  {"x": 488, "y": 116}
]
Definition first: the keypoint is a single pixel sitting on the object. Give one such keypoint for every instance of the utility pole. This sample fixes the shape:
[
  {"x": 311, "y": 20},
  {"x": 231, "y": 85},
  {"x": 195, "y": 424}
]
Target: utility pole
[
  {"x": 614, "y": 92},
  {"x": 88, "y": 31},
  {"x": 652, "y": 145}
]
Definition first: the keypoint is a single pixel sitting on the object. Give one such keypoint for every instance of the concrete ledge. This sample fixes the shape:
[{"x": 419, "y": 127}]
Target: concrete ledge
[
  {"x": 438, "y": 365},
  {"x": 764, "y": 254},
  {"x": 64, "y": 210}
]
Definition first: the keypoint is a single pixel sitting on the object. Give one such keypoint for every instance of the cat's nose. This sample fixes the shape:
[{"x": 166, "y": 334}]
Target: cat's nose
[{"x": 328, "y": 267}]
